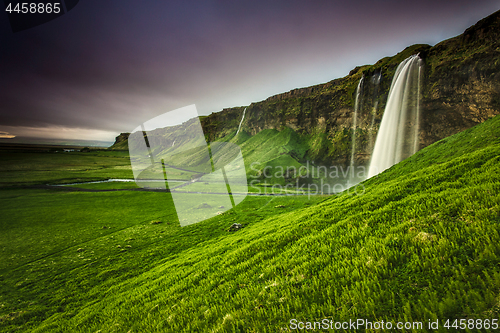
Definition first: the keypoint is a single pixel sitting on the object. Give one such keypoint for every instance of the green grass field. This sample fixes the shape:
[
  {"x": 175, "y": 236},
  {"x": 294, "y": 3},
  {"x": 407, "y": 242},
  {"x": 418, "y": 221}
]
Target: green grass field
[
  {"x": 418, "y": 242},
  {"x": 41, "y": 168}
]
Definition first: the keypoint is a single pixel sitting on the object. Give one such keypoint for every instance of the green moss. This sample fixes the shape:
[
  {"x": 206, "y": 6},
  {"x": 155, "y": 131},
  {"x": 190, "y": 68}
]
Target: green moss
[{"x": 420, "y": 241}]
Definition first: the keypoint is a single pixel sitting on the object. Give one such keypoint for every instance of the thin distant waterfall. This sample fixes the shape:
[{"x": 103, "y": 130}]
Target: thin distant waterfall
[
  {"x": 241, "y": 121},
  {"x": 376, "y": 82},
  {"x": 359, "y": 90},
  {"x": 398, "y": 135}
]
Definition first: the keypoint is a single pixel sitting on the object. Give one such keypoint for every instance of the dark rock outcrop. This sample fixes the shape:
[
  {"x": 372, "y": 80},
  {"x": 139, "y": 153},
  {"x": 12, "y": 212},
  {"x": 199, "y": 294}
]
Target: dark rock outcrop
[
  {"x": 235, "y": 227},
  {"x": 121, "y": 142}
]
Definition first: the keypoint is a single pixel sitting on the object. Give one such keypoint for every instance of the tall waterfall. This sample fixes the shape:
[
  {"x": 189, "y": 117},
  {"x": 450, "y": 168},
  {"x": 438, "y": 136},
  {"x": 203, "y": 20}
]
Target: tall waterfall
[
  {"x": 241, "y": 121},
  {"x": 398, "y": 136},
  {"x": 359, "y": 90},
  {"x": 376, "y": 82}
]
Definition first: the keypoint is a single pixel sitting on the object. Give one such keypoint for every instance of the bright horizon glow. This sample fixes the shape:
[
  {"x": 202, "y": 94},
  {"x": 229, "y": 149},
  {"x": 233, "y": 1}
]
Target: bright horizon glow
[
  {"x": 56, "y": 132},
  {"x": 6, "y": 135}
]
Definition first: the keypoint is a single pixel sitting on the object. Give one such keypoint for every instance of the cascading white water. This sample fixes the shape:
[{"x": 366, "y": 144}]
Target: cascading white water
[
  {"x": 398, "y": 135},
  {"x": 359, "y": 90},
  {"x": 376, "y": 82},
  {"x": 241, "y": 121}
]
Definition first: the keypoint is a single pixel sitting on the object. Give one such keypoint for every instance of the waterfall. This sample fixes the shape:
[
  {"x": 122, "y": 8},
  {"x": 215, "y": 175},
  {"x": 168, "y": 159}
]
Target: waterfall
[
  {"x": 398, "y": 135},
  {"x": 241, "y": 121},
  {"x": 359, "y": 90},
  {"x": 376, "y": 82}
]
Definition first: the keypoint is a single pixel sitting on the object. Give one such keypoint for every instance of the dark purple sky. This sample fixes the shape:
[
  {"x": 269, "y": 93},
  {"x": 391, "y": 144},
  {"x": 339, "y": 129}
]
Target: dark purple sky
[{"x": 107, "y": 66}]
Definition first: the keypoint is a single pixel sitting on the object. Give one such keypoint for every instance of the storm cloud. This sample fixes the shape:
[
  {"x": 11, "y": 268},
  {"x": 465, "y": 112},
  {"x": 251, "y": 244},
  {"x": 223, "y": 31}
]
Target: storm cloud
[{"x": 107, "y": 66}]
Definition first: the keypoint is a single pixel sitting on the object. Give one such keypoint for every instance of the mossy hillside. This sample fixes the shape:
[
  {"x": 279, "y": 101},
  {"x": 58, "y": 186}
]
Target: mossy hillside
[
  {"x": 421, "y": 242},
  {"x": 269, "y": 148},
  {"x": 82, "y": 244},
  {"x": 272, "y": 149}
]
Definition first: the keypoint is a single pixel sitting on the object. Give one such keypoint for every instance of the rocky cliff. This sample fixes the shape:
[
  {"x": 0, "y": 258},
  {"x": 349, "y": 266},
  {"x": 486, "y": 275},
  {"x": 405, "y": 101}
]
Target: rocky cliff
[
  {"x": 121, "y": 142},
  {"x": 460, "y": 88}
]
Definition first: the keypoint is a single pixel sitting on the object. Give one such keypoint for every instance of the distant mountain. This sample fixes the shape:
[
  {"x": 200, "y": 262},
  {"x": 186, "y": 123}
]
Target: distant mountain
[
  {"x": 461, "y": 88},
  {"x": 56, "y": 142},
  {"x": 121, "y": 142}
]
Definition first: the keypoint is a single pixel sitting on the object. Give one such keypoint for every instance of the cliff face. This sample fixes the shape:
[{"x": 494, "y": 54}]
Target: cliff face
[
  {"x": 460, "y": 88},
  {"x": 121, "y": 142},
  {"x": 462, "y": 81}
]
